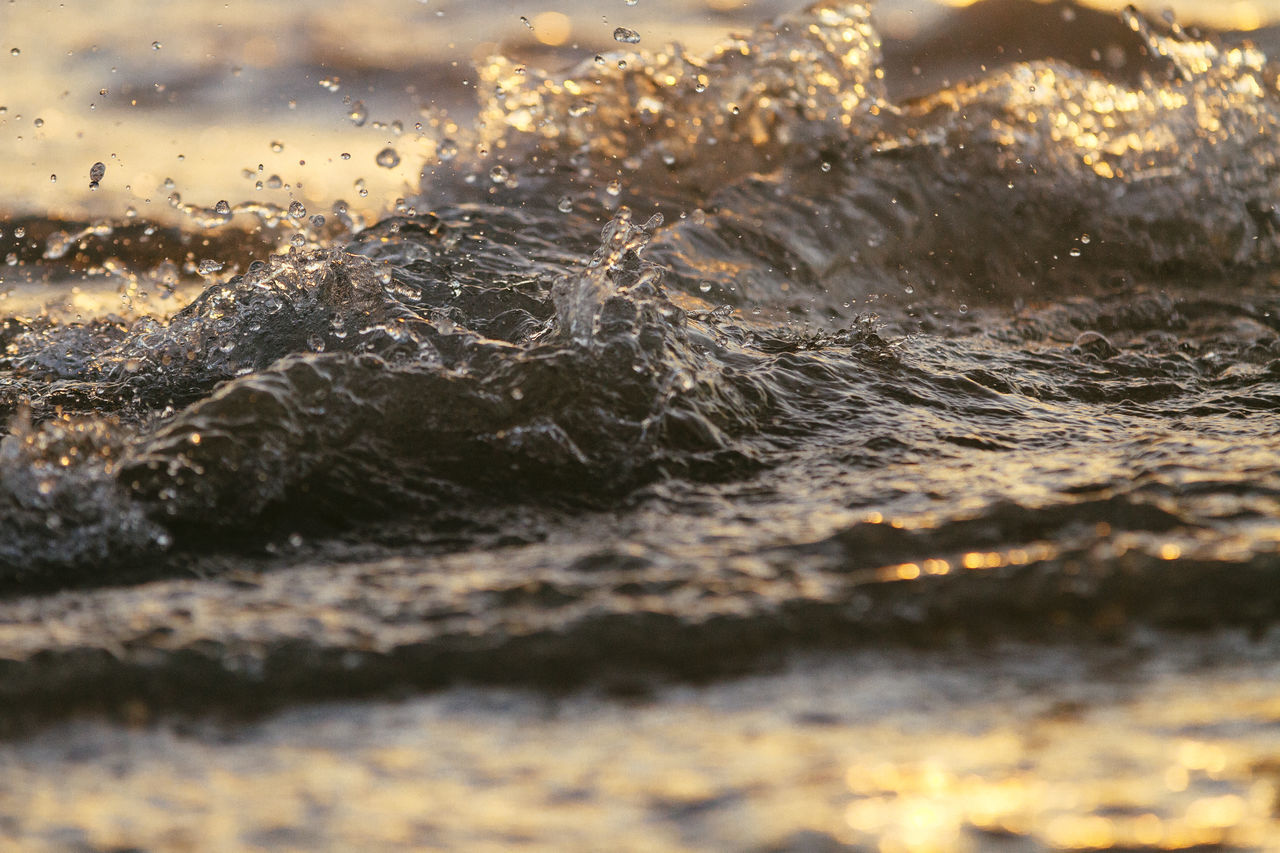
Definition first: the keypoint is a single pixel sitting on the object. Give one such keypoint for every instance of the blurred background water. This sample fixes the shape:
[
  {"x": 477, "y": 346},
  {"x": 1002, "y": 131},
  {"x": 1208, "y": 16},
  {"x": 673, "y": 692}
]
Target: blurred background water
[{"x": 202, "y": 95}]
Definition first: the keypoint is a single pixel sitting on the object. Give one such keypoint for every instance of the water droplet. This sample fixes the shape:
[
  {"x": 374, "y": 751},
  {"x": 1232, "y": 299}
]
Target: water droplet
[
  {"x": 964, "y": 309},
  {"x": 39, "y": 122},
  {"x": 704, "y": 286},
  {"x": 296, "y": 210},
  {"x": 565, "y": 205},
  {"x": 155, "y": 45},
  {"x": 387, "y": 158},
  {"x": 499, "y": 175},
  {"x": 346, "y": 156},
  {"x": 1085, "y": 238},
  {"x": 614, "y": 188},
  {"x": 208, "y": 267},
  {"x": 826, "y": 167},
  {"x": 298, "y": 241},
  {"x": 358, "y": 114},
  {"x": 53, "y": 179},
  {"x": 222, "y": 208},
  {"x": 448, "y": 149},
  {"x": 1075, "y": 253},
  {"x": 626, "y": 35},
  {"x": 318, "y": 220},
  {"x": 96, "y": 172},
  {"x": 517, "y": 394},
  {"x": 277, "y": 146},
  {"x": 14, "y": 52}
]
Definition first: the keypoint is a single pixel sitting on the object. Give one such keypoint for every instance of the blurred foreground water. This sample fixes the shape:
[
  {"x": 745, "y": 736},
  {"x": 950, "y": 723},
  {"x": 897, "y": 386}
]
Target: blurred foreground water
[{"x": 452, "y": 425}]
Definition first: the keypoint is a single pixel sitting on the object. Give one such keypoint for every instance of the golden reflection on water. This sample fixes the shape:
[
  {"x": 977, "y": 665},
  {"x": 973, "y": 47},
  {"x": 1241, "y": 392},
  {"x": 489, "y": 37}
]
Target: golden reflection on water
[{"x": 896, "y": 752}]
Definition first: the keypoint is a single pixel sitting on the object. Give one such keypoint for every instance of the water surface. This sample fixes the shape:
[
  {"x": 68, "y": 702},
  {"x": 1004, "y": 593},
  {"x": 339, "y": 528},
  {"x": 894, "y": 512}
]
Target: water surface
[{"x": 611, "y": 366}]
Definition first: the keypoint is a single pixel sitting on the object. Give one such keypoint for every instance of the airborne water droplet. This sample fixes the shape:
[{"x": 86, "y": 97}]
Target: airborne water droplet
[
  {"x": 296, "y": 210},
  {"x": 96, "y": 172},
  {"x": 565, "y": 205},
  {"x": 499, "y": 175},
  {"x": 626, "y": 35},
  {"x": 704, "y": 286},
  {"x": 387, "y": 158},
  {"x": 358, "y": 114},
  {"x": 208, "y": 267},
  {"x": 614, "y": 188},
  {"x": 448, "y": 150},
  {"x": 222, "y": 208}
]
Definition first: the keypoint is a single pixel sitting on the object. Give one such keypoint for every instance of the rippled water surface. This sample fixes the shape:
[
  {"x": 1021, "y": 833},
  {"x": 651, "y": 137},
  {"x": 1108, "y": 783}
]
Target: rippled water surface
[{"x": 859, "y": 431}]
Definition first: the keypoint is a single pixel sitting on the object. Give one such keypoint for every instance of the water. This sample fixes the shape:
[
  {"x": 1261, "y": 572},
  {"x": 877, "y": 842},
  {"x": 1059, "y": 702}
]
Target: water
[{"x": 867, "y": 388}]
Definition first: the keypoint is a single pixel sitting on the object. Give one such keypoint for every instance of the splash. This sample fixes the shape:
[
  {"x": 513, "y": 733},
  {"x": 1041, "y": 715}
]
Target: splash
[{"x": 667, "y": 117}]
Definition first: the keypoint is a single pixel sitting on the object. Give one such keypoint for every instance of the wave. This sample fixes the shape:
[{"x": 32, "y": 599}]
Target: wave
[{"x": 808, "y": 353}]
